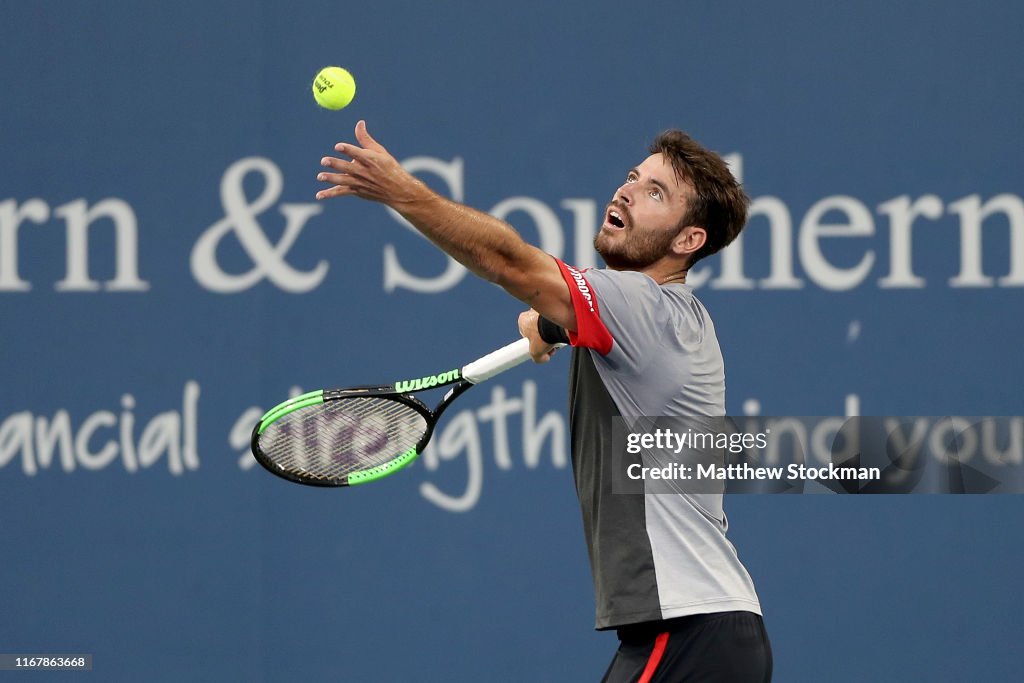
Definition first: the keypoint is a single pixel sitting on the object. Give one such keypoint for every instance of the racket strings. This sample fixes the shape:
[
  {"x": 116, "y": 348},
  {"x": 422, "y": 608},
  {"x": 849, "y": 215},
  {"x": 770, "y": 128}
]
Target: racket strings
[{"x": 339, "y": 437}]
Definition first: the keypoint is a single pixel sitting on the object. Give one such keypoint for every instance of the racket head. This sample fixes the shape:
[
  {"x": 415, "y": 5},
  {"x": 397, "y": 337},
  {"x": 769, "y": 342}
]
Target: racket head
[{"x": 342, "y": 437}]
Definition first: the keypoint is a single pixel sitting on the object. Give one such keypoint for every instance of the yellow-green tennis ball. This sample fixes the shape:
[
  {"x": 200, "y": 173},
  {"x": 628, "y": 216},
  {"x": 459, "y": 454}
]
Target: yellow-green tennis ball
[{"x": 334, "y": 88}]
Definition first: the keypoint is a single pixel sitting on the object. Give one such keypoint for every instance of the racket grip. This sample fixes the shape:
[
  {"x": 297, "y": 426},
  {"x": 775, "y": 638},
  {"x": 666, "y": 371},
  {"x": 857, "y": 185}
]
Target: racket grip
[{"x": 497, "y": 362}]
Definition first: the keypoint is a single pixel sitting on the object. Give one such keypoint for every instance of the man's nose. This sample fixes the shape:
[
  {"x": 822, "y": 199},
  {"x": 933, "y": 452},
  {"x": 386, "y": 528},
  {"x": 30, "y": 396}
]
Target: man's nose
[{"x": 625, "y": 194}]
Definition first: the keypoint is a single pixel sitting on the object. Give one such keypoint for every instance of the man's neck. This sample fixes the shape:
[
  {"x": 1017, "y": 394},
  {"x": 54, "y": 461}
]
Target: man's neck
[{"x": 676, "y": 277}]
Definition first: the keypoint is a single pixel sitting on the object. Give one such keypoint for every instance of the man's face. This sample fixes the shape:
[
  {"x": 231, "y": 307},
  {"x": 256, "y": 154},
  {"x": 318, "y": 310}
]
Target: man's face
[{"x": 643, "y": 217}]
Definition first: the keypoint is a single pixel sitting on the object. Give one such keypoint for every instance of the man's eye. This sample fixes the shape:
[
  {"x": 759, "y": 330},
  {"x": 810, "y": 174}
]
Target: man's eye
[
  {"x": 656, "y": 194},
  {"x": 631, "y": 178}
]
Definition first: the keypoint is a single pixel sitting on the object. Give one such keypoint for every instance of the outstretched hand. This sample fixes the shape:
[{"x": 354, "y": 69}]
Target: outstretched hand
[{"x": 371, "y": 174}]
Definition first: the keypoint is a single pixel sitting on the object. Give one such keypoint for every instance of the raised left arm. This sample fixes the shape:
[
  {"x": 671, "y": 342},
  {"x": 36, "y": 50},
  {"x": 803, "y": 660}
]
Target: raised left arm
[{"x": 488, "y": 247}]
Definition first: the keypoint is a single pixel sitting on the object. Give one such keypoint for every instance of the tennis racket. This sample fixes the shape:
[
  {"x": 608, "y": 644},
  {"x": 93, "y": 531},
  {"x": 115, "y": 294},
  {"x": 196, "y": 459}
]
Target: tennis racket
[{"x": 343, "y": 437}]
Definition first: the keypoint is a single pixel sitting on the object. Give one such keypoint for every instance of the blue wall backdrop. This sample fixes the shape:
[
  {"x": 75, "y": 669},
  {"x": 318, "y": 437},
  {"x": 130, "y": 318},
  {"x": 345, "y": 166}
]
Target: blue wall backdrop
[{"x": 165, "y": 274}]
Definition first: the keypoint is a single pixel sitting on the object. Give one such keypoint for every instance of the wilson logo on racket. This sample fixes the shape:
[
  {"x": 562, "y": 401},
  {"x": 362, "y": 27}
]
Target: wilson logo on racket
[{"x": 427, "y": 382}]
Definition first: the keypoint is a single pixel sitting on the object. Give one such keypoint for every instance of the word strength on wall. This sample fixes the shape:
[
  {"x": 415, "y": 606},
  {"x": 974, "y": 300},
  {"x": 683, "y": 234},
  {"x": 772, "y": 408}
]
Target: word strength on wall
[
  {"x": 506, "y": 429},
  {"x": 876, "y": 243}
]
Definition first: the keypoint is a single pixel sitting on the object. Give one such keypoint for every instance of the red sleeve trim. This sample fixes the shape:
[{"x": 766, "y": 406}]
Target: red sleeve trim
[{"x": 590, "y": 331}]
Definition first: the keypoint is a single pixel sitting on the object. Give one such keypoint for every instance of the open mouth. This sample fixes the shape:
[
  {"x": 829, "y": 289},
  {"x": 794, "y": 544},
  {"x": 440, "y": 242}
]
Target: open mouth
[{"x": 615, "y": 219}]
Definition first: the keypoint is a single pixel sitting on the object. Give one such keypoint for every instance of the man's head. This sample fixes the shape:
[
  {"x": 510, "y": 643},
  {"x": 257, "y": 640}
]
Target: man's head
[{"x": 682, "y": 203}]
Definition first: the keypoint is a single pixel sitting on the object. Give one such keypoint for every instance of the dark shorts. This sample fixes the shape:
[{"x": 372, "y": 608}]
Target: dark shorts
[{"x": 724, "y": 647}]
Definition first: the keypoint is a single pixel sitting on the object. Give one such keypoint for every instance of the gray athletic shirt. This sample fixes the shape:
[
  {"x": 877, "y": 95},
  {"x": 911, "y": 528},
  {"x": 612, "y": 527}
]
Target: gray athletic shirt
[{"x": 647, "y": 350}]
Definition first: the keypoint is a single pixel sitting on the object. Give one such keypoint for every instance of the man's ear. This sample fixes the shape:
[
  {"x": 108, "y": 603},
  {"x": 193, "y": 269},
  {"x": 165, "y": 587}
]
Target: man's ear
[{"x": 689, "y": 240}]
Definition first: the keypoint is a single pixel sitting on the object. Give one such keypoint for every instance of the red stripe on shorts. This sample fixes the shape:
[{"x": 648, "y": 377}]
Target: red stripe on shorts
[{"x": 656, "y": 654}]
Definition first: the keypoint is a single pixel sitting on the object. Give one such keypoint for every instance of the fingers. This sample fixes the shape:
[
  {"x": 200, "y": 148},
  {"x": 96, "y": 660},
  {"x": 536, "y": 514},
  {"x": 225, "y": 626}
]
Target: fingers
[
  {"x": 540, "y": 350},
  {"x": 527, "y": 322},
  {"x": 336, "y": 191},
  {"x": 365, "y": 139},
  {"x": 337, "y": 164},
  {"x": 542, "y": 358},
  {"x": 363, "y": 160},
  {"x": 335, "y": 178},
  {"x": 352, "y": 151},
  {"x": 543, "y": 354},
  {"x": 344, "y": 182}
]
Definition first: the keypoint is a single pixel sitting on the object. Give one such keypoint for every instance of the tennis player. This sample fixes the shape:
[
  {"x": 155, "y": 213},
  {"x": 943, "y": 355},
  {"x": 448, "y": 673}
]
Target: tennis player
[{"x": 665, "y": 575}]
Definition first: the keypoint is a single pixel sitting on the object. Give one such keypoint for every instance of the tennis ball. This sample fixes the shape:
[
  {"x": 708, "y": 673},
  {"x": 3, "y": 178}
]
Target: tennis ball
[{"x": 334, "y": 88}]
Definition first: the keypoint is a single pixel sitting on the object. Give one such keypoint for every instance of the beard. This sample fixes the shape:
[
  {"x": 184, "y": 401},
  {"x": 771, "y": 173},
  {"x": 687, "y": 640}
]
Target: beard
[{"x": 634, "y": 249}]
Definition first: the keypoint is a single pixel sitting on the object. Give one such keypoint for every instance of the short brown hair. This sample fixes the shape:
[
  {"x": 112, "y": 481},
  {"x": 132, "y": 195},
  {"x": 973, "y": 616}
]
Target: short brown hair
[{"x": 719, "y": 204}]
